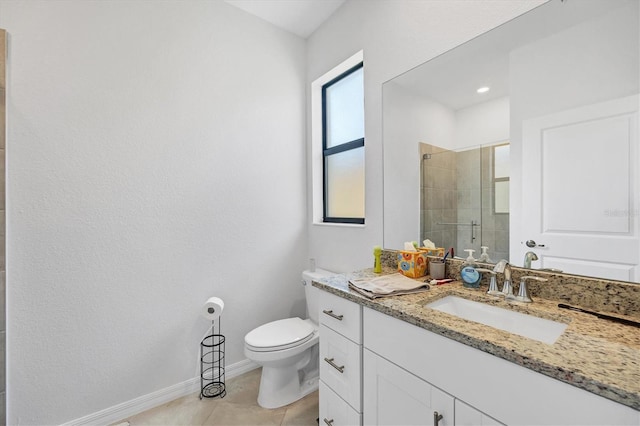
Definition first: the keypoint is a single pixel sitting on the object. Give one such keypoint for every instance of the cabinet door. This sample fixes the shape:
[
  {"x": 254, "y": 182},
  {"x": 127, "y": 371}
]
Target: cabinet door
[
  {"x": 334, "y": 411},
  {"x": 466, "y": 415},
  {"x": 393, "y": 396}
]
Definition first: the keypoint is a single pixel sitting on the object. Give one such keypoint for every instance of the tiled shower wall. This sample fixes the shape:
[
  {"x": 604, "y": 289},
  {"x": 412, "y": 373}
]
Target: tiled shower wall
[
  {"x": 3, "y": 55},
  {"x": 476, "y": 202},
  {"x": 457, "y": 187}
]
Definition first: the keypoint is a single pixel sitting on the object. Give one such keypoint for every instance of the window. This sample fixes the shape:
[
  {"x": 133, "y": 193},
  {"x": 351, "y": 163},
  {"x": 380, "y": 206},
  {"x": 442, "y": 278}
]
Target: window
[
  {"x": 501, "y": 178},
  {"x": 343, "y": 147}
]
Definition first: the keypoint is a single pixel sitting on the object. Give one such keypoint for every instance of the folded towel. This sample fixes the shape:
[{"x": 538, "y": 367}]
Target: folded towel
[{"x": 387, "y": 285}]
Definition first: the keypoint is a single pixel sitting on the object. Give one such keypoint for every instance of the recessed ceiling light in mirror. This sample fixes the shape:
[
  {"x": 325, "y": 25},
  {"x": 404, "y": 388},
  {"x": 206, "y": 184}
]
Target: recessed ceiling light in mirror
[{"x": 484, "y": 89}]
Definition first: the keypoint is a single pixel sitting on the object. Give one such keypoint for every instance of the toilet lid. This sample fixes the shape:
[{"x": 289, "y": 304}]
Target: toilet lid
[{"x": 282, "y": 333}]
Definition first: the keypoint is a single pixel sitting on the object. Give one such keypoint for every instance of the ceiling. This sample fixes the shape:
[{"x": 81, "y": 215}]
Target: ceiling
[
  {"x": 301, "y": 17},
  {"x": 452, "y": 79}
]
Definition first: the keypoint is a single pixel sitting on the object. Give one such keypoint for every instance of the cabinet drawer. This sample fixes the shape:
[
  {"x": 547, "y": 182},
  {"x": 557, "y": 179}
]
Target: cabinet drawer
[
  {"x": 334, "y": 411},
  {"x": 341, "y": 315},
  {"x": 340, "y": 361}
]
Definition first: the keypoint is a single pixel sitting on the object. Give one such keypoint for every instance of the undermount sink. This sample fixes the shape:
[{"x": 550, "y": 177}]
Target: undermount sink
[{"x": 541, "y": 329}]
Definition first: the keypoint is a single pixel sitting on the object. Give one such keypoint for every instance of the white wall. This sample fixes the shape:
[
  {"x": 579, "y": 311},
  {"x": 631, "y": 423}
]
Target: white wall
[
  {"x": 156, "y": 157},
  {"x": 409, "y": 119},
  {"x": 396, "y": 35},
  {"x": 482, "y": 124}
]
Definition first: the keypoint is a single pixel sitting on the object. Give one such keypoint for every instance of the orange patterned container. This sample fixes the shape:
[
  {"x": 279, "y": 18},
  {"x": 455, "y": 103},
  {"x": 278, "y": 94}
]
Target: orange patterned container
[{"x": 412, "y": 264}]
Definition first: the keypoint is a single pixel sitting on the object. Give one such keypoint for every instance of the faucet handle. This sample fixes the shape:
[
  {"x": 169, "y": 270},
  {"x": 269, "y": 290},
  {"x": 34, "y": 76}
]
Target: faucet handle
[
  {"x": 493, "y": 284},
  {"x": 523, "y": 291}
]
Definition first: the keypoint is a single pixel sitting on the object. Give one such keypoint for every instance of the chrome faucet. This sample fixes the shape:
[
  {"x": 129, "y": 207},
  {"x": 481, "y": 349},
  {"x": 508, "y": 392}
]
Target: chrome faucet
[
  {"x": 503, "y": 267},
  {"x": 523, "y": 293},
  {"x": 528, "y": 257}
]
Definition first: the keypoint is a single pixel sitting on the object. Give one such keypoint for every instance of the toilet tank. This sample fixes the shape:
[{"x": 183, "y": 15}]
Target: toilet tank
[{"x": 311, "y": 293}]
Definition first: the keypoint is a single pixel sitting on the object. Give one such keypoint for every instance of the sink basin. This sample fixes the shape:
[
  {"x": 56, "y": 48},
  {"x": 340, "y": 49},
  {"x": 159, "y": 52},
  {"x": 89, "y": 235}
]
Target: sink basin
[{"x": 540, "y": 329}]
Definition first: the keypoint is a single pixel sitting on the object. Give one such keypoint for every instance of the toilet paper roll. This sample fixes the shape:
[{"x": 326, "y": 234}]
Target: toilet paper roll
[{"x": 213, "y": 308}]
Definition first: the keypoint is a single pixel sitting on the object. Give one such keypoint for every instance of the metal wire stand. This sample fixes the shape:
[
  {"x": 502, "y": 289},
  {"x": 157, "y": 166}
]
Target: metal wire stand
[{"x": 212, "y": 364}]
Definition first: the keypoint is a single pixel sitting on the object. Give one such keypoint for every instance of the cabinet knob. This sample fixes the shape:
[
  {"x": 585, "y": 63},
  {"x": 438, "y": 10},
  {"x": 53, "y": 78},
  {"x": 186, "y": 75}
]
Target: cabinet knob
[
  {"x": 436, "y": 418},
  {"x": 334, "y": 365},
  {"x": 332, "y": 315}
]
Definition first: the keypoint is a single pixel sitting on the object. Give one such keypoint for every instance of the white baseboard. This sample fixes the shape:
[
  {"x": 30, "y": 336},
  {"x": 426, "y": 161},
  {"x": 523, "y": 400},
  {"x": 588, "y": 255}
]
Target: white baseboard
[{"x": 145, "y": 402}]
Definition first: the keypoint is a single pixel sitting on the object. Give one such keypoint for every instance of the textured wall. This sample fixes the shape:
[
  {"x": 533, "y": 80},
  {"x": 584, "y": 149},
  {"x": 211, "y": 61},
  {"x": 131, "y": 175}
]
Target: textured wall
[
  {"x": 156, "y": 158},
  {"x": 3, "y": 52}
]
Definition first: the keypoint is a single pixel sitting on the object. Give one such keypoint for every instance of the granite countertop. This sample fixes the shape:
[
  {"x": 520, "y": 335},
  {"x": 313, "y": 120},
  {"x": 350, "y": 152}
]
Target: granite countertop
[{"x": 597, "y": 355}]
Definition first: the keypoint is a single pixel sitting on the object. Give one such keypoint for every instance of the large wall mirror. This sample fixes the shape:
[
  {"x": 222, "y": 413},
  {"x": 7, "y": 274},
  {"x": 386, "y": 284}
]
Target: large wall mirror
[{"x": 524, "y": 140}]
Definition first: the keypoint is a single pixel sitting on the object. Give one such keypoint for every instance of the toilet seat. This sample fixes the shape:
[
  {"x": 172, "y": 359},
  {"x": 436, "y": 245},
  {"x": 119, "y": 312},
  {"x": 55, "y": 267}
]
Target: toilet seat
[{"x": 279, "y": 335}]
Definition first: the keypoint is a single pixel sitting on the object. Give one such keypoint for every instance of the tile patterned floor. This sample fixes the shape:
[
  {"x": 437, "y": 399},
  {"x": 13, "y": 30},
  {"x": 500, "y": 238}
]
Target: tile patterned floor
[{"x": 238, "y": 407}]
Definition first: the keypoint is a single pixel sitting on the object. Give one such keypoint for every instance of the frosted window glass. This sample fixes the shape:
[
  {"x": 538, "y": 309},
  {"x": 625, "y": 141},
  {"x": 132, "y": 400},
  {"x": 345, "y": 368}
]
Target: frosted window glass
[
  {"x": 502, "y": 196},
  {"x": 345, "y": 184},
  {"x": 345, "y": 110},
  {"x": 501, "y": 161}
]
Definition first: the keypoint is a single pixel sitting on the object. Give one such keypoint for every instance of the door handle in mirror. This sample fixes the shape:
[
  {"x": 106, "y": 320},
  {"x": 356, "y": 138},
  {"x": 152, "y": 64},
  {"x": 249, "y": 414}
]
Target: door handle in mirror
[{"x": 531, "y": 243}]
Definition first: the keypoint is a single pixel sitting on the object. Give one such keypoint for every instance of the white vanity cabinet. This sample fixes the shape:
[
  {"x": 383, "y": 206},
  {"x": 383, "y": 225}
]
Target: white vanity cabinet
[
  {"x": 401, "y": 398},
  {"x": 393, "y": 396},
  {"x": 340, "y": 361},
  {"x": 466, "y": 415},
  {"x": 480, "y": 387},
  {"x": 334, "y": 411}
]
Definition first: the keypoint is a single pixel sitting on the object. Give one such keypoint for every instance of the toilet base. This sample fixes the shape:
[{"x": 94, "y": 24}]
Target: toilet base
[
  {"x": 279, "y": 388},
  {"x": 289, "y": 374}
]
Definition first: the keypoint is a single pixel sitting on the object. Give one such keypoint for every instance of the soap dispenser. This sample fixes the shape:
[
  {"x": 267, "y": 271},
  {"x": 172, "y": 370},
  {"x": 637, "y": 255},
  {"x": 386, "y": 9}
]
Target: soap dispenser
[
  {"x": 469, "y": 273},
  {"x": 377, "y": 265},
  {"x": 484, "y": 256}
]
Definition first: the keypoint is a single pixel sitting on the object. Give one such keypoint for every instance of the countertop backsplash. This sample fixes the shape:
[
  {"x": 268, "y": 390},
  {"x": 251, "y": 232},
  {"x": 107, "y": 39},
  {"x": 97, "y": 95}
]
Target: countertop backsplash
[{"x": 596, "y": 294}]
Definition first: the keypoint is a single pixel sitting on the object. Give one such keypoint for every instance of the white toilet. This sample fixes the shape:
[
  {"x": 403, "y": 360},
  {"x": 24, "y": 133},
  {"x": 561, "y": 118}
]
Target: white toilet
[{"x": 287, "y": 349}]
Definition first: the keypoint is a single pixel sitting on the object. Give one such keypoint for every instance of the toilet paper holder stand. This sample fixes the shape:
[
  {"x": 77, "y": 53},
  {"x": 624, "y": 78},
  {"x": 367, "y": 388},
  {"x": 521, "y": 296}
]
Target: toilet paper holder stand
[{"x": 212, "y": 374}]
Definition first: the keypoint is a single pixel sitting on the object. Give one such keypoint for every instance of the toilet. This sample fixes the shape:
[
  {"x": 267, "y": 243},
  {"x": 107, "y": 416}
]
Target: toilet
[{"x": 288, "y": 352}]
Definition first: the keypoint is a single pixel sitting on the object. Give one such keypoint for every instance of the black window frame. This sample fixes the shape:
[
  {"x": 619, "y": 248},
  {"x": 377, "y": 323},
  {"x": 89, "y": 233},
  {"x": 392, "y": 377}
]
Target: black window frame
[{"x": 326, "y": 152}]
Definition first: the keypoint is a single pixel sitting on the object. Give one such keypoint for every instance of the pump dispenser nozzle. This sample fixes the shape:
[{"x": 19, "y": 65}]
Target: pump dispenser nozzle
[
  {"x": 484, "y": 256},
  {"x": 470, "y": 257}
]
